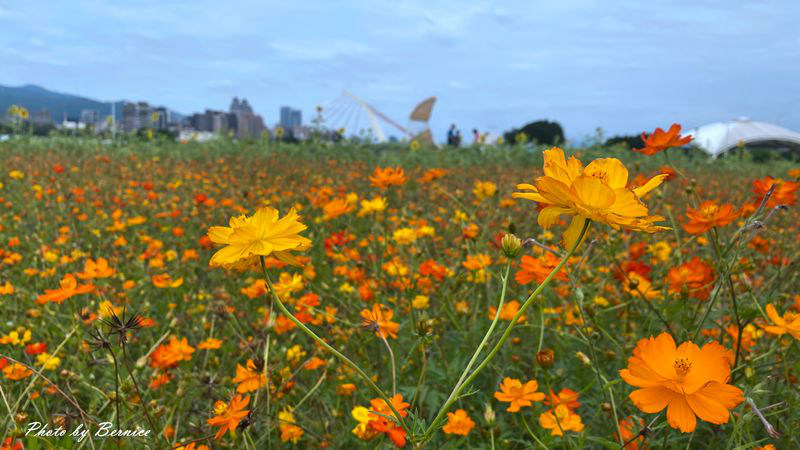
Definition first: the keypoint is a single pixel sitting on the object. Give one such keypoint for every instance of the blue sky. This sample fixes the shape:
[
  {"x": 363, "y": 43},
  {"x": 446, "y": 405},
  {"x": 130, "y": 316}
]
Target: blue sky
[{"x": 623, "y": 65}]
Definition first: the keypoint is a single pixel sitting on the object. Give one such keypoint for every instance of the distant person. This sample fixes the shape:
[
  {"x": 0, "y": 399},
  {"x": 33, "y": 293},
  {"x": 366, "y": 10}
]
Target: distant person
[
  {"x": 476, "y": 137},
  {"x": 457, "y": 139},
  {"x": 451, "y": 135}
]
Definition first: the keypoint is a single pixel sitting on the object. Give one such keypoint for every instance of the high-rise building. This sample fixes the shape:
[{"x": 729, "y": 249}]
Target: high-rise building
[
  {"x": 135, "y": 116},
  {"x": 140, "y": 115},
  {"x": 290, "y": 118},
  {"x": 160, "y": 118},
  {"x": 241, "y": 120},
  {"x": 247, "y": 123}
]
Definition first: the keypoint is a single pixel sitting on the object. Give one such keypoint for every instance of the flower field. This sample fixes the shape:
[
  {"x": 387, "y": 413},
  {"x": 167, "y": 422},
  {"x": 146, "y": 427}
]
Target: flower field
[{"x": 258, "y": 295}]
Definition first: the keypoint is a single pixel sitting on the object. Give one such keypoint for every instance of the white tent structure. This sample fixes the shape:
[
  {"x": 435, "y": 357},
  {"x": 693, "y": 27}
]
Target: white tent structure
[{"x": 719, "y": 137}]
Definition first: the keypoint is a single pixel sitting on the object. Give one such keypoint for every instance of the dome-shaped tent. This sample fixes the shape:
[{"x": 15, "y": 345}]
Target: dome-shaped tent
[{"x": 720, "y": 137}]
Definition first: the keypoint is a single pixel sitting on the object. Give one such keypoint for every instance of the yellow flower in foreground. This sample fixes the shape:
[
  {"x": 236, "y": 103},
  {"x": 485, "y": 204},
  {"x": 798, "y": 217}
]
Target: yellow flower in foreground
[
  {"x": 597, "y": 192},
  {"x": 263, "y": 234}
]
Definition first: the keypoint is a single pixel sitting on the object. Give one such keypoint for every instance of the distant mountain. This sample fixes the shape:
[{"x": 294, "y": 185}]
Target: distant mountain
[{"x": 35, "y": 98}]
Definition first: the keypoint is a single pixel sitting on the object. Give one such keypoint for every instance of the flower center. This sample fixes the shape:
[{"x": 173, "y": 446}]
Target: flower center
[{"x": 682, "y": 367}]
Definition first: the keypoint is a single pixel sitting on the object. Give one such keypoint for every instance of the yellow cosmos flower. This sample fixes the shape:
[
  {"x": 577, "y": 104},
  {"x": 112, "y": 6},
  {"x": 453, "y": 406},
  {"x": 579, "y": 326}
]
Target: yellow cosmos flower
[
  {"x": 597, "y": 192},
  {"x": 263, "y": 234}
]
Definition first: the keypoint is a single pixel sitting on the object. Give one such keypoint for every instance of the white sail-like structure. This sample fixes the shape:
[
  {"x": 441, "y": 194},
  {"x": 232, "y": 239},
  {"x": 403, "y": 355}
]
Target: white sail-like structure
[
  {"x": 346, "y": 111},
  {"x": 720, "y": 137}
]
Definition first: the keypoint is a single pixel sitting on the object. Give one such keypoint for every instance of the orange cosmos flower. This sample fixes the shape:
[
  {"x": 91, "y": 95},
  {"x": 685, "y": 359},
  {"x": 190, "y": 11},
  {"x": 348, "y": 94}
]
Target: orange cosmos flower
[
  {"x": 637, "y": 285},
  {"x": 630, "y": 428},
  {"x": 785, "y": 192},
  {"x": 458, "y": 423},
  {"x": 518, "y": 394},
  {"x": 12, "y": 444},
  {"x": 695, "y": 277},
  {"x": 250, "y": 378},
  {"x": 98, "y": 269},
  {"x": 379, "y": 319},
  {"x": 170, "y": 354},
  {"x": 431, "y": 175},
  {"x": 507, "y": 312},
  {"x": 336, "y": 208},
  {"x": 688, "y": 380},
  {"x": 537, "y": 269},
  {"x": 16, "y": 372},
  {"x": 263, "y": 234},
  {"x": 314, "y": 363},
  {"x": 380, "y": 421},
  {"x": 598, "y": 192},
  {"x": 210, "y": 344},
  {"x": 289, "y": 431},
  {"x": 477, "y": 262},
  {"x": 191, "y": 446},
  {"x": 567, "y": 397},
  {"x": 709, "y": 215},
  {"x": 789, "y": 323},
  {"x": 661, "y": 140},
  {"x": 390, "y": 176},
  {"x": 346, "y": 389},
  {"x": 228, "y": 416},
  {"x": 68, "y": 287},
  {"x": 559, "y": 420},
  {"x": 7, "y": 288},
  {"x": 165, "y": 280}
]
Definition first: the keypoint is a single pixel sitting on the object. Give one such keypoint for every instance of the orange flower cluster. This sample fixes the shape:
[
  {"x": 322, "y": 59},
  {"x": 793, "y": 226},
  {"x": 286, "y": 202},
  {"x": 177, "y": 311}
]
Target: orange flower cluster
[{"x": 379, "y": 418}]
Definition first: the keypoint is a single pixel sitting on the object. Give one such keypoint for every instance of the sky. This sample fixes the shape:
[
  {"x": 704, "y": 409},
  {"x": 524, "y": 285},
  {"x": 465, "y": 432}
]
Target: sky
[{"x": 625, "y": 66}]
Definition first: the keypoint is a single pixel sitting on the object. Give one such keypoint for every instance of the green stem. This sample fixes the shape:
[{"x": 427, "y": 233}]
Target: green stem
[
  {"x": 439, "y": 417},
  {"x": 485, "y": 337},
  {"x": 338, "y": 354}
]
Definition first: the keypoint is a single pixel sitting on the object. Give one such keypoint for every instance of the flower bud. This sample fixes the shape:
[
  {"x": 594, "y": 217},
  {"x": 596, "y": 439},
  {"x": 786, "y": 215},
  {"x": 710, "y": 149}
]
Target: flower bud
[
  {"x": 583, "y": 358},
  {"x": 545, "y": 358},
  {"x": 488, "y": 414},
  {"x": 511, "y": 245},
  {"x": 21, "y": 418}
]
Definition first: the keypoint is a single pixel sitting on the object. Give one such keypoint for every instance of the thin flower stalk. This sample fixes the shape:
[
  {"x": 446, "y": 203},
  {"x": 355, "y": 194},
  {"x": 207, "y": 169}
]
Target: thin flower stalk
[{"x": 535, "y": 294}]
